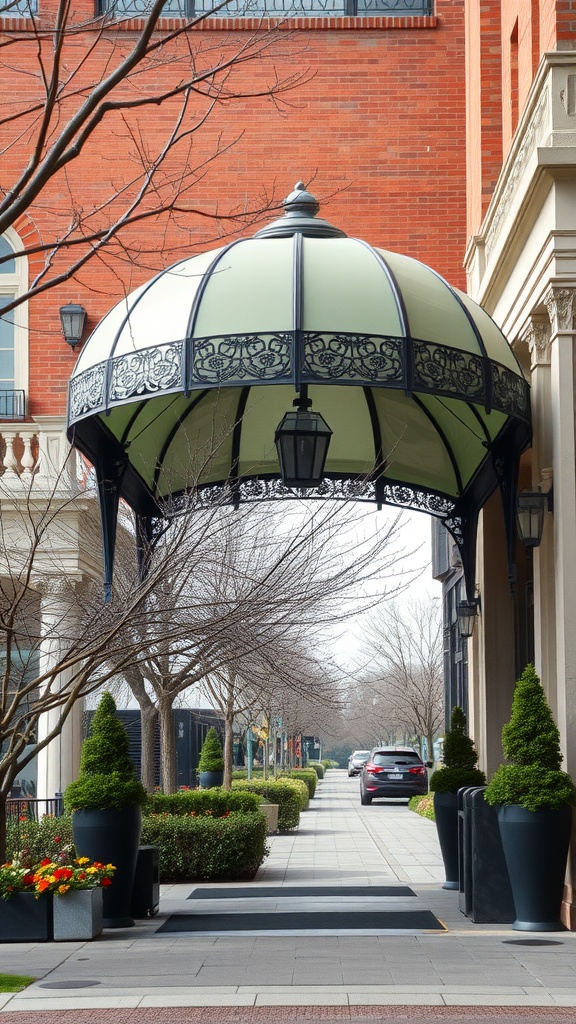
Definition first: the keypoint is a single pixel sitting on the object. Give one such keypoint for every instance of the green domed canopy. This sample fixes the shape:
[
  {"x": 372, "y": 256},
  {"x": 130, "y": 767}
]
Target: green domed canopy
[{"x": 183, "y": 384}]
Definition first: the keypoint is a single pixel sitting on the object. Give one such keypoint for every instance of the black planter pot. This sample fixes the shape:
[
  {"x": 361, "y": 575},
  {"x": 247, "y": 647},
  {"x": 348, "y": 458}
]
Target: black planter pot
[
  {"x": 112, "y": 837},
  {"x": 446, "y": 814},
  {"x": 210, "y": 779},
  {"x": 535, "y": 847}
]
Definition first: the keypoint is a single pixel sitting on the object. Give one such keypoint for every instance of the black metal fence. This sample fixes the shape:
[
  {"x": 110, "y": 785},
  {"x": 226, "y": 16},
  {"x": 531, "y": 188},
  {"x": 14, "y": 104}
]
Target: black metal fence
[
  {"x": 12, "y": 404},
  {"x": 32, "y": 809}
]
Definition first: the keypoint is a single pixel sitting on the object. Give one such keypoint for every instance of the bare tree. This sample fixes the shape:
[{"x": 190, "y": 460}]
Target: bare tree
[
  {"x": 257, "y": 587},
  {"x": 75, "y": 85},
  {"x": 403, "y": 678}
]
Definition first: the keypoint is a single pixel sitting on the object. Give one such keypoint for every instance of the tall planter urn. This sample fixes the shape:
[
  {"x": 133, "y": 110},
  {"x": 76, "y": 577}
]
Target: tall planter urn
[
  {"x": 446, "y": 817},
  {"x": 533, "y": 798},
  {"x": 106, "y": 804},
  {"x": 210, "y": 779},
  {"x": 111, "y": 837},
  {"x": 535, "y": 845},
  {"x": 459, "y": 769}
]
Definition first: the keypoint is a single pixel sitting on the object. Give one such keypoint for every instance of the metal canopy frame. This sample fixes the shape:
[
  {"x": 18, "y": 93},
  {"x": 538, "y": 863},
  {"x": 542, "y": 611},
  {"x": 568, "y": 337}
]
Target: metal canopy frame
[{"x": 428, "y": 406}]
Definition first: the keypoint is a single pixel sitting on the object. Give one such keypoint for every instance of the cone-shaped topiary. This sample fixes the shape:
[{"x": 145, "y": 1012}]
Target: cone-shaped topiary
[
  {"x": 107, "y": 777},
  {"x": 211, "y": 756},
  {"x": 531, "y": 744},
  {"x": 460, "y": 759}
]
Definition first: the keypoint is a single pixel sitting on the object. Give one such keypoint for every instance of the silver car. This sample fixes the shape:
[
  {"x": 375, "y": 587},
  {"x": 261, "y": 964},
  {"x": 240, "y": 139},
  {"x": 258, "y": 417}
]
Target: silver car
[{"x": 356, "y": 761}]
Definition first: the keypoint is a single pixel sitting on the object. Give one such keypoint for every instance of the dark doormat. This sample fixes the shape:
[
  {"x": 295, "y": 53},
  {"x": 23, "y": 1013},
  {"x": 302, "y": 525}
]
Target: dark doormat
[
  {"x": 277, "y": 891},
  {"x": 386, "y": 920}
]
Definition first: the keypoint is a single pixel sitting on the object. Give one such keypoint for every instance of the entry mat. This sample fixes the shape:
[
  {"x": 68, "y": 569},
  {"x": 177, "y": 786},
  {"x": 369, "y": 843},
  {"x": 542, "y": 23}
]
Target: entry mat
[
  {"x": 277, "y": 891},
  {"x": 382, "y": 921}
]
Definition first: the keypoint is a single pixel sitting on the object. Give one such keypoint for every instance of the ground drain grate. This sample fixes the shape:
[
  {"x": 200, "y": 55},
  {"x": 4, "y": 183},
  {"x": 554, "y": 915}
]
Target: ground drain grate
[{"x": 532, "y": 942}]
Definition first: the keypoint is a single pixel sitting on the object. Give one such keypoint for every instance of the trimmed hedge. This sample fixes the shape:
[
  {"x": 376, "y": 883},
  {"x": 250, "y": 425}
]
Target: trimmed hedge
[
  {"x": 282, "y": 792},
  {"x": 44, "y": 838},
  {"x": 306, "y": 775},
  {"x": 200, "y": 848},
  {"x": 215, "y": 800},
  {"x": 423, "y": 805},
  {"x": 318, "y": 768}
]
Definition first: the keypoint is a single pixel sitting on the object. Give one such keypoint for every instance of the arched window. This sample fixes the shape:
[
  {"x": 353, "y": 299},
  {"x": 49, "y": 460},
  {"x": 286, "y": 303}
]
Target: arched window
[{"x": 13, "y": 332}]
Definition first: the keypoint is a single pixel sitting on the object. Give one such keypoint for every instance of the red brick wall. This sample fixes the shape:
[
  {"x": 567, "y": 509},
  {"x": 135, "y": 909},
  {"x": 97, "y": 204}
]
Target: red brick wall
[
  {"x": 377, "y": 131},
  {"x": 484, "y": 105}
]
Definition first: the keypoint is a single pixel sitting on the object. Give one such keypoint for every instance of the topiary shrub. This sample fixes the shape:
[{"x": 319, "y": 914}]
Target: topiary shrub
[
  {"x": 287, "y": 793},
  {"x": 318, "y": 768},
  {"x": 460, "y": 759},
  {"x": 306, "y": 775},
  {"x": 211, "y": 754},
  {"x": 201, "y": 847},
  {"x": 531, "y": 743},
  {"x": 107, "y": 777}
]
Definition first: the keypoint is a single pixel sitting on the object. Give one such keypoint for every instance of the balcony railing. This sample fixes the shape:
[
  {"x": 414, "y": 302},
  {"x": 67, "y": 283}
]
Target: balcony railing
[
  {"x": 12, "y": 405},
  {"x": 29, "y": 809},
  {"x": 274, "y": 8}
]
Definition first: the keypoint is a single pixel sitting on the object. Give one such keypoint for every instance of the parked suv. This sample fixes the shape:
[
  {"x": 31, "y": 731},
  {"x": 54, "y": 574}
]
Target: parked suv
[
  {"x": 393, "y": 772},
  {"x": 356, "y": 761}
]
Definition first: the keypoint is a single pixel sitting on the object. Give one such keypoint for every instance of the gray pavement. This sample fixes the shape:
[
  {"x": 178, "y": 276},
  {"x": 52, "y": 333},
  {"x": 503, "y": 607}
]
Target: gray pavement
[{"x": 339, "y": 843}]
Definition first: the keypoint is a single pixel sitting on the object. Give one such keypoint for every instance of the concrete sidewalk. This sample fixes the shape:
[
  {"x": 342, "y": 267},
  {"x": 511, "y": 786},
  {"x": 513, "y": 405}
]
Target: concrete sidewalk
[{"x": 339, "y": 843}]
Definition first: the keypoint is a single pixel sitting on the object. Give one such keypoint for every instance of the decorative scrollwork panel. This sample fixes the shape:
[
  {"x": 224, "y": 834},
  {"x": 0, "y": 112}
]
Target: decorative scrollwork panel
[
  {"x": 87, "y": 391},
  {"x": 146, "y": 372},
  {"x": 448, "y": 370},
  {"x": 510, "y": 392},
  {"x": 242, "y": 359},
  {"x": 352, "y": 357}
]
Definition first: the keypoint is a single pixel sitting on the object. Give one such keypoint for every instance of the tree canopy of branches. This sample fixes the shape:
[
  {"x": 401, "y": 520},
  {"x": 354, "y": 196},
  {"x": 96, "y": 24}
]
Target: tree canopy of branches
[
  {"x": 83, "y": 92},
  {"x": 402, "y": 681}
]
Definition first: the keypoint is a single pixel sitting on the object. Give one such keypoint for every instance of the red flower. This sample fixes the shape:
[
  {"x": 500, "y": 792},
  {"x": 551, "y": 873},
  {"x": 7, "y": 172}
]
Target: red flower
[
  {"x": 105, "y": 882},
  {"x": 44, "y": 862}
]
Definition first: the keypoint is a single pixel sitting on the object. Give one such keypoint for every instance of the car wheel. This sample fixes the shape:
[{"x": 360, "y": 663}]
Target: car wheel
[{"x": 365, "y": 799}]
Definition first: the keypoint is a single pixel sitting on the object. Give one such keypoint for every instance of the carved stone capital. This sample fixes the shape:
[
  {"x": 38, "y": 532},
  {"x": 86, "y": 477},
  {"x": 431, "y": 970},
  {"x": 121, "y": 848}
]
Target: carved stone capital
[
  {"x": 537, "y": 337},
  {"x": 560, "y": 303}
]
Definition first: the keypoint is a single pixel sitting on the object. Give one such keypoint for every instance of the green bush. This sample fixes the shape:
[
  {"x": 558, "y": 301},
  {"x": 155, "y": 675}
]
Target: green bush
[
  {"x": 200, "y": 848},
  {"x": 423, "y": 805},
  {"x": 44, "y": 838},
  {"x": 531, "y": 743},
  {"x": 282, "y": 792},
  {"x": 299, "y": 785},
  {"x": 211, "y": 756},
  {"x": 318, "y": 768},
  {"x": 107, "y": 777},
  {"x": 459, "y": 766},
  {"x": 329, "y": 764},
  {"x": 216, "y": 800},
  {"x": 306, "y": 775}
]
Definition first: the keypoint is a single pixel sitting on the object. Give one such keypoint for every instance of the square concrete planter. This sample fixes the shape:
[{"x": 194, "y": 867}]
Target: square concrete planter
[
  {"x": 26, "y": 918},
  {"x": 271, "y": 812},
  {"x": 78, "y": 915}
]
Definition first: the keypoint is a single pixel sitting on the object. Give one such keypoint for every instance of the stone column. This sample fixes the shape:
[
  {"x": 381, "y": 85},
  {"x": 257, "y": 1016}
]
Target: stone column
[
  {"x": 538, "y": 339},
  {"x": 560, "y": 302},
  {"x": 59, "y": 761}
]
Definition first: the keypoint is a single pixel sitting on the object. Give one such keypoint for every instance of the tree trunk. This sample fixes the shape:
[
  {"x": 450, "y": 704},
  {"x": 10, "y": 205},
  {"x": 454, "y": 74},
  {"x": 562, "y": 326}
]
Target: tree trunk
[
  {"x": 228, "y": 747},
  {"x": 148, "y": 719},
  {"x": 168, "y": 780},
  {"x": 3, "y": 798}
]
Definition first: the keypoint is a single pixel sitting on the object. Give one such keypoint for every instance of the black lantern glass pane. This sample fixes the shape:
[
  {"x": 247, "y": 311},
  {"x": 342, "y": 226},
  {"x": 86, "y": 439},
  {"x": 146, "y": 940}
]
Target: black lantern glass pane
[
  {"x": 302, "y": 440},
  {"x": 530, "y": 517}
]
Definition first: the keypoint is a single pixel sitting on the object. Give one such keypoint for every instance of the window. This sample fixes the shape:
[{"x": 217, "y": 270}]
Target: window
[
  {"x": 18, "y": 8},
  {"x": 281, "y": 8},
  {"x": 13, "y": 333}
]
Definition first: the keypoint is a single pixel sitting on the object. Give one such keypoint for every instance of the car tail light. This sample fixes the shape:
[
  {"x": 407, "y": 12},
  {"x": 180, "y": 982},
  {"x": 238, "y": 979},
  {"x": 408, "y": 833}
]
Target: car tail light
[
  {"x": 374, "y": 769},
  {"x": 420, "y": 770}
]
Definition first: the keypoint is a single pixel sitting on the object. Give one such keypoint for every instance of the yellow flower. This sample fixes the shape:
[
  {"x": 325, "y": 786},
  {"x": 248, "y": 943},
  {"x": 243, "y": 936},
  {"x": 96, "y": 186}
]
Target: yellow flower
[
  {"x": 82, "y": 860},
  {"x": 92, "y": 871},
  {"x": 63, "y": 888}
]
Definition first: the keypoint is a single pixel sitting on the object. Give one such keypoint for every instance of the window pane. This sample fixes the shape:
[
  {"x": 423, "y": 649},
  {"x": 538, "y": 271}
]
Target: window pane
[
  {"x": 235, "y": 8},
  {"x": 6, "y": 346},
  {"x": 18, "y": 8},
  {"x": 7, "y": 266}
]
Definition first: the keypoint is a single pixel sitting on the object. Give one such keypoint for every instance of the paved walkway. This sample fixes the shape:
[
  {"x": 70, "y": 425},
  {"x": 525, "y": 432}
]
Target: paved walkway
[{"x": 343, "y": 974}]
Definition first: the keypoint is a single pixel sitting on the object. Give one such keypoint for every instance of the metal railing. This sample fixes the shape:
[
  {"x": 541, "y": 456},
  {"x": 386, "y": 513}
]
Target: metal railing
[
  {"x": 12, "y": 404},
  {"x": 274, "y": 8},
  {"x": 31, "y": 809}
]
